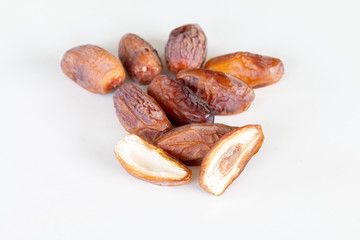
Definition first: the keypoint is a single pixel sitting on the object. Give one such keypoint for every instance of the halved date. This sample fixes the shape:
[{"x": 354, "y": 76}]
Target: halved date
[
  {"x": 190, "y": 143},
  {"x": 186, "y": 48},
  {"x": 140, "y": 59},
  {"x": 224, "y": 93},
  {"x": 180, "y": 103},
  {"x": 255, "y": 70},
  {"x": 139, "y": 113},
  {"x": 228, "y": 158},
  {"x": 93, "y": 68}
]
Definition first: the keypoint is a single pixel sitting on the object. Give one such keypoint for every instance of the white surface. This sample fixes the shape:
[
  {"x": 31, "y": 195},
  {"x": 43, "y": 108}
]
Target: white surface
[{"x": 59, "y": 178}]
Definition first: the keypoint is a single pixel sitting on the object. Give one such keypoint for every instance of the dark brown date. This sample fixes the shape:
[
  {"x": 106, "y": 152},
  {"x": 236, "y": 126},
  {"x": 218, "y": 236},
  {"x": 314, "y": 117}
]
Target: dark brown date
[
  {"x": 190, "y": 143},
  {"x": 93, "y": 68},
  {"x": 140, "y": 59},
  {"x": 224, "y": 93},
  {"x": 139, "y": 113},
  {"x": 255, "y": 70},
  {"x": 180, "y": 104},
  {"x": 186, "y": 48}
]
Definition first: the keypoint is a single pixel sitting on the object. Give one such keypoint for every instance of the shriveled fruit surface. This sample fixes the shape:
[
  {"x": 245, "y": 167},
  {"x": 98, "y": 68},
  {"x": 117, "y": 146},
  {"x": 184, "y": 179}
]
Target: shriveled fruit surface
[
  {"x": 139, "y": 113},
  {"x": 228, "y": 158},
  {"x": 150, "y": 163},
  {"x": 224, "y": 93},
  {"x": 180, "y": 103},
  {"x": 140, "y": 59},
  {"x": 255, "y": 70},
  {"x": 190, "y": 143},
  {"x": 93, "y": 68},
  {"x": 186, "y": 48}
]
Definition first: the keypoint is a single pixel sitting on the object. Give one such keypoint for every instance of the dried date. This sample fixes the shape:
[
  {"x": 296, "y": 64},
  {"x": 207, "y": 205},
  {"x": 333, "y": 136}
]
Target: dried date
[
  {"x": 255, "y": 70},
  {"x": 186, "y": 48},
  {"x": 139, "y": 113},
  {"x": 93, "y": 68},
  {"x": 140, "y": 59},
  {"x": 179, "y": 103},
  {"x": 190, "y": 143},
  {"x": 224, "y": 93}
]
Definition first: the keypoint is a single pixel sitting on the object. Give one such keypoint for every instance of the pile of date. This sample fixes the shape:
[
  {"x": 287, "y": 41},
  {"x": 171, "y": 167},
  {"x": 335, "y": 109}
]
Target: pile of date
[{"x": 172, "y": 125}]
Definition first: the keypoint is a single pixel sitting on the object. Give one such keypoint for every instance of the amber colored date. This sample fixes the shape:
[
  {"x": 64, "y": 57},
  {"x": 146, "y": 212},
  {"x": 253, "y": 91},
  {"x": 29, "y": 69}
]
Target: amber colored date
[
  {"x": 255, "y": 70},
  {"x": 186, "y": 48},
  {"x": 93, "y": 68},
  {"x": 190, "y": 143},
  {"x": 180, "y": 104},
  {"x": 139, "y": 113},
  {"x": 224, "y": 93},
  {"x": 140, "y": 59}
]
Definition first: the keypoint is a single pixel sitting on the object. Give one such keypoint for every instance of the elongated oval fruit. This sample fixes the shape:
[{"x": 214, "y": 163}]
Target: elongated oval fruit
[
  {"x": 139, "y": 113},
  {"x": 228, "y": 158},
  {"x": 186, "y": 48},
  {"x": 179, "y": 103},
  {"x": 255, "y": 70},
  {"x": 140, "y": 59},
  {"x": 190, "y": 143},
  {"x": 149, "y": 163},
  {"x": 93, "y": 68},
  {"x": 224, "y": 93}
]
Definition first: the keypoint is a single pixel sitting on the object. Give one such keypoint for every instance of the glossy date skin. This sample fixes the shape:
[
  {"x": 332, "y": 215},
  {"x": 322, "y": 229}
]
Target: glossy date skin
[
  {"x": 255, "y": 70},
  {"x": 225, "y": 94},
  {"x": 180, "y": 104},
  {"x": 190, "y": 143},
  {"x": 140, "y": 59},
  {"x": 186, "y": 48},
  {"x": 139, "y": 113},
  {"x": 93, "y": 68}
]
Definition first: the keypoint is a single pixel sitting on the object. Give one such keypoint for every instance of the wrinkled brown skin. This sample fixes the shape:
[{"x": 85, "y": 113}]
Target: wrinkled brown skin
[
  {"x": 190, "y": 143},
  {"x": 246, "y": 157},
  {"x": 139, "y": 113},
  {"x": 155, "y": 180},
  {"x": 93, "y": 68},
  {"x": 180, "y": 104},
  {"x": 186, "y": 48},
  {"x": 140, "y": 59},
  {"x": 225, "y": 94},
  {"x": 255, "y": 70}
]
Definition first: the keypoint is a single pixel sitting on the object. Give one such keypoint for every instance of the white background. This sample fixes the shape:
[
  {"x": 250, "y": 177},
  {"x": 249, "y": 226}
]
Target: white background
[{"x": 59, "y": 178}]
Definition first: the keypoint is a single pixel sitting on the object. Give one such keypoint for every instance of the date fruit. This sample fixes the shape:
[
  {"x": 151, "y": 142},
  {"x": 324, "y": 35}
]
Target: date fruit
[
  {"x": 93, "y": 68},
  {"x": 186, "y": 48},
  {"x": 140, "y": 59},
  {"x": 224, "y": 93},
  {"x": 190, "y": 143},
  {"x": 228, "y": 158},
  {"x": 139, "y": 113},
  {"x": 180, "y": 104},
  {"x": 255, "y": 70},
  {"x": 150, "y": 163}
]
